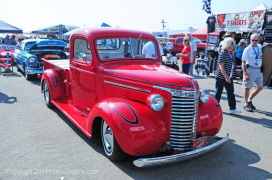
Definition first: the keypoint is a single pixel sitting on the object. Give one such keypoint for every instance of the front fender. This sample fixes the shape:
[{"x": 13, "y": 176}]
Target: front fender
[
  {"x": 210, "y": 117},
  {"x": 55, "y": 84},
  {"x": 138, "y": 130}
]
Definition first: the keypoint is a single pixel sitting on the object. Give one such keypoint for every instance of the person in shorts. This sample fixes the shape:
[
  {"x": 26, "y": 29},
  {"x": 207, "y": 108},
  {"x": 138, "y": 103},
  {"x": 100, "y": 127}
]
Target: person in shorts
[{"x": 251, "y": 65}]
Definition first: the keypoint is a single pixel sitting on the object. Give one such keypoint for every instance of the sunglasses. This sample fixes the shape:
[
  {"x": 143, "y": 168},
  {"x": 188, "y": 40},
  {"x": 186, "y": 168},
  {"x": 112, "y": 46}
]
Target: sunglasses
[
  {"x": 254, "y": 40},
  {"x": 185, "y": 40}
]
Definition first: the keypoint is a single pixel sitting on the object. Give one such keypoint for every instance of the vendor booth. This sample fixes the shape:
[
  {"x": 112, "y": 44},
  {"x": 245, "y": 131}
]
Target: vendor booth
[
  {"x": 7, "y": 28},
  {"x": 52, "y": 31}
]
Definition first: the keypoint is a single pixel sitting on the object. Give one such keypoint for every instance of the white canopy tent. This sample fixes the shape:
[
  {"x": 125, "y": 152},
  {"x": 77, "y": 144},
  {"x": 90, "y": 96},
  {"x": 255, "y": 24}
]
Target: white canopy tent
[{"x": 261, "y": 7}]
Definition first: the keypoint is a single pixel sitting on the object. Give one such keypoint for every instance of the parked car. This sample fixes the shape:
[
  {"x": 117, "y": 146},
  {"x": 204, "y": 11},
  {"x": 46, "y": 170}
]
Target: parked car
[
  {"x": 177, "y": 41},
  {"x": 29, "y": 53},
  {"x": 136, "y": 105}
]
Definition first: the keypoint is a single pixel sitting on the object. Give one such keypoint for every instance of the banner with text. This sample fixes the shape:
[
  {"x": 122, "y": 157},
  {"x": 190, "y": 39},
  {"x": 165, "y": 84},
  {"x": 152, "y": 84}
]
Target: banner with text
[
  {"x": 246, "y": 21},
  {"x": 6, "y": 46}
]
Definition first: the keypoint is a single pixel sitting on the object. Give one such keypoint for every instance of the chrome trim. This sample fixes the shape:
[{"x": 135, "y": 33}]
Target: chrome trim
[
  {"x": 179, "y": 93},
  {"x": 34, "y": 71},
  {"x": 158, "y": 161},
  {"x": 183, "y": 117},
  {"x": 126, "y": 86}
]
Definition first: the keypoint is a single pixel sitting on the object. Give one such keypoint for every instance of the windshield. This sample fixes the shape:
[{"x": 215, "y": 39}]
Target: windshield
[
  {"x": 126, "y": 48},
  {"x": 29, "y": 45}
]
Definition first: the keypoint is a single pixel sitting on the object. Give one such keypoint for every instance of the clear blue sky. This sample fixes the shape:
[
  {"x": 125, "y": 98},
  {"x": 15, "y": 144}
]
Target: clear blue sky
[{"x": 134, "y": 14}]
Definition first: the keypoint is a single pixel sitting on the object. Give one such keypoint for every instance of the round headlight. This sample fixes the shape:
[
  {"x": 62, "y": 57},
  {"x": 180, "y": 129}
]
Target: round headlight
[
  {"x": 156, "y": 102},
  {"x": 205, "y": 95},
  {"x": 32, "y": 59}
]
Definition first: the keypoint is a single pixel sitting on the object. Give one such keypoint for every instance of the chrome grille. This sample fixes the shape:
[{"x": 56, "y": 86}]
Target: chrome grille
[
  {"x": 183, "y": 121},
  {"x": 39, "y": 64},
  {"x": 183, "y": 117}
]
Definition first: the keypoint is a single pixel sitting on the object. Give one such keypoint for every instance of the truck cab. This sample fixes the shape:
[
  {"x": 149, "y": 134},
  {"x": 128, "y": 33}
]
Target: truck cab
[{"x": 114, "y": 83}]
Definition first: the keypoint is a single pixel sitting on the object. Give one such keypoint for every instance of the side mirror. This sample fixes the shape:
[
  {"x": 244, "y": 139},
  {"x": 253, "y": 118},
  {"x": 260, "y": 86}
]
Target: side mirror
[{"x": 82, "y": 57}]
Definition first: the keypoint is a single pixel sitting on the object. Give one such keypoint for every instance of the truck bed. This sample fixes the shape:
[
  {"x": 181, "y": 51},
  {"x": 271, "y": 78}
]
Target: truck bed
[{"x": 62, "y": 63}]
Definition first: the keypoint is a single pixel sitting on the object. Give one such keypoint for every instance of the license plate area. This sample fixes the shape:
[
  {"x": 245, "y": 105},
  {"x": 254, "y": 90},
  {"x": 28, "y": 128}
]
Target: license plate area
[{"x": 199, "y": 143}]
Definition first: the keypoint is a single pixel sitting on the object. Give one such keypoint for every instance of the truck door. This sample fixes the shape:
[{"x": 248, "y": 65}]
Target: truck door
[{"x": 82, "y": 73}]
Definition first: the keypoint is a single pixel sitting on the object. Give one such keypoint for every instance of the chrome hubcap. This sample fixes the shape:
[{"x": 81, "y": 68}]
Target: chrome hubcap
[
  {"x": 107, "y": 136},
  {"x": 46, "y": 92}
]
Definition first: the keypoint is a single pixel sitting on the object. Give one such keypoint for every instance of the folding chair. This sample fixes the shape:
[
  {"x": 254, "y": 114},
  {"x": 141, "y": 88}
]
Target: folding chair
[
  {"x": 6, "y": 63},
  {"x": 238, "y": 74}
]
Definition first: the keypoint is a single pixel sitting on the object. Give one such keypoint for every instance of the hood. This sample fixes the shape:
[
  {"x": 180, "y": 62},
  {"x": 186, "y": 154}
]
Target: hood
[
  {"x": 48, "y": 44},
  {"x": 156, "y": 74}
]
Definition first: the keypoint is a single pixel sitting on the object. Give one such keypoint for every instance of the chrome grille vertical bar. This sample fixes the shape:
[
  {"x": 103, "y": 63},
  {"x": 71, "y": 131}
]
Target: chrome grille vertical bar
[{"x": 183, "y": 117}]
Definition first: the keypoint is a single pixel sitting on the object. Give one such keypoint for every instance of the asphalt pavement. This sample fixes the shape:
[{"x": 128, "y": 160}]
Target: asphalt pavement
[{"x": 41, "y": 143}]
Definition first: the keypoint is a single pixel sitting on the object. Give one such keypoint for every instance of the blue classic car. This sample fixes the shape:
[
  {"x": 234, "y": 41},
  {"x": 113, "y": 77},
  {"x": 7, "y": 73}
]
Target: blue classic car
[{"x": 28, "y": 55}]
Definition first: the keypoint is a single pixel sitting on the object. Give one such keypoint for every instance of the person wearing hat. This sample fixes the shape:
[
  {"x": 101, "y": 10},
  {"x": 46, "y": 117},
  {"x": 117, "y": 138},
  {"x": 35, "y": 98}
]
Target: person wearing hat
[
  {"x": 240, "y": 49},
  {"x": 7, "y": 40},
  {"x": 227, "y": 34}
]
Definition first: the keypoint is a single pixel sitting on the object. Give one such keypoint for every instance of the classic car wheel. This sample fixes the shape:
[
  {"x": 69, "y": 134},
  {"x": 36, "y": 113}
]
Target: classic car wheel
[
  {"x": 46, "y": 95},
  {"x": 27, "y": 76},
  {"x": 201, "y": 53},
  {"x": 110, "y": 145},
  {"x": 18, "y": 69}
]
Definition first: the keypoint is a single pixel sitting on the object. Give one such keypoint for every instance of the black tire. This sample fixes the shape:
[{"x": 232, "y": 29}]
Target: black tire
[
  {"x": 46, "y": 95},
  {"x": 111, "y": 147},
  {"x": 200, "y": 53},
  {"x": 27, "y": 76},
  {"x": 18, "y": 69}
]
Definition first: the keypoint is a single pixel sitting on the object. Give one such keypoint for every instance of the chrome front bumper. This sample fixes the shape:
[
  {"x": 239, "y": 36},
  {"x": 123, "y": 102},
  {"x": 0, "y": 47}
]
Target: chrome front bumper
[
  {"x": 151, "y": 162},
  {"x": 32, "y": 71}
]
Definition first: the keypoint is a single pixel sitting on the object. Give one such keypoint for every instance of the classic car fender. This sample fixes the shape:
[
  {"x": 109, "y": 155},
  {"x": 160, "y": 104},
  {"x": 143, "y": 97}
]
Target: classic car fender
[
  {"x": 138, "y": 130},
  {"x": 55, "y": 83},
  {"x": 210, "y": 117}
]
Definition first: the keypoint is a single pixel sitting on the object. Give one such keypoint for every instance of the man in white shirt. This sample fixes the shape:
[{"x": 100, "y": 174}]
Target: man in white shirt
[
  {"x": 149, "y": 50},
  {"x": 193, "y": 53},
  {"x": 251, "y": 64},
  {"x": 169, "y": 47}
]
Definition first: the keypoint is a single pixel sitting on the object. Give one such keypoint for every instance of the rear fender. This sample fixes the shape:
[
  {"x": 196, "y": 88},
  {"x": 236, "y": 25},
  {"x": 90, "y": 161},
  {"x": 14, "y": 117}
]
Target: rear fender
[
  {"x": 55, "y": 84},
  {"x": 138, "y": 129}
]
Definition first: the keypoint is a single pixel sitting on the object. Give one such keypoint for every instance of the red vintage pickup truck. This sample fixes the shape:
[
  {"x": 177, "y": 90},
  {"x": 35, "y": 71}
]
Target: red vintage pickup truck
[
  {"x": 178, "y": 45},
  {"x": 137, "y": 105}
]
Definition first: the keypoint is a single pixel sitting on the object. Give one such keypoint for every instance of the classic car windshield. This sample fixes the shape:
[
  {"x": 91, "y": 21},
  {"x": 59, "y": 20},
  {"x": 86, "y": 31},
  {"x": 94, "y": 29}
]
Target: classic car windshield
[
  {"x": 124, "y": 48},
  {"x": 29, "y": 45}
]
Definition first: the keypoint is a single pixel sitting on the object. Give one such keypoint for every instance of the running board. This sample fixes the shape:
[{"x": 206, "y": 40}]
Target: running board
[{"x": 75, "y": 115}]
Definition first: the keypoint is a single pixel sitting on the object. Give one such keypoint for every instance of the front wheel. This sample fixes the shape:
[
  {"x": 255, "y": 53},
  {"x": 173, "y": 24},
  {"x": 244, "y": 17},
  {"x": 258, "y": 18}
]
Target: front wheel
[
  {"x": 46, "y": 95},
  {"x": 27, "y": 76},
  {"x": 201, "y": 53},
  {"x": 110, "y": 145}
]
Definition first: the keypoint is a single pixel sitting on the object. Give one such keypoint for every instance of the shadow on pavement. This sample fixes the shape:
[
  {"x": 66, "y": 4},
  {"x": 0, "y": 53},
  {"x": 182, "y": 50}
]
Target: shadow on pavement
[
  {"x": 262, "y": 121},
  {"x": 6, "y": 99},
  {"x": 230, "y": 161}
]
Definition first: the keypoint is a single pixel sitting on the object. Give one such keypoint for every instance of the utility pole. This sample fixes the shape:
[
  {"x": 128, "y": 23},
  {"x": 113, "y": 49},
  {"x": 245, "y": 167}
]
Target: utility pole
[{"x": 163, "y": 26}]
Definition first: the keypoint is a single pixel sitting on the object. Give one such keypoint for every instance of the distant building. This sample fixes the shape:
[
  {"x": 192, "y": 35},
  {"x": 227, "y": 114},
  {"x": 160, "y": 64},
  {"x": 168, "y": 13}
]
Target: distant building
[{"x": 167, "y": 32}]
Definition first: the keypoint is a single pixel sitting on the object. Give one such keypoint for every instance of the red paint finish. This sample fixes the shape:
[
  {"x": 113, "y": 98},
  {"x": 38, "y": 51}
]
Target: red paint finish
[{"x": 116, "y": 90}]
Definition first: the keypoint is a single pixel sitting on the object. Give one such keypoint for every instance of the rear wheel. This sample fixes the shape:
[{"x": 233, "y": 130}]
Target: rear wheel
[
  {"x": 46, "y": 95},
  {"x": 110, "y": 145}
]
